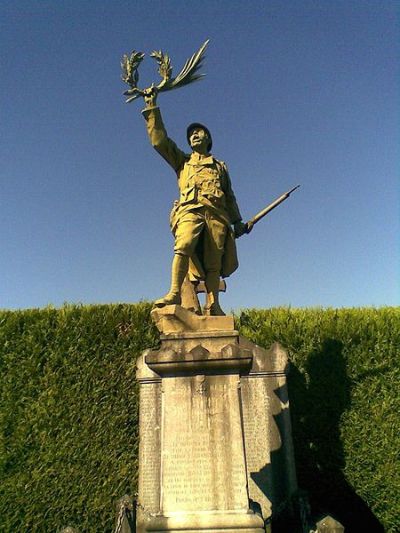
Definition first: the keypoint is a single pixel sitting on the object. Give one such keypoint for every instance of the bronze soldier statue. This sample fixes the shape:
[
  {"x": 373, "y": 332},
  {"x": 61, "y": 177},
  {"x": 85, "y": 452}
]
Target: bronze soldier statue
[
  {"x": 202, "y": 218},
  {"x": 206, "y": 219}
]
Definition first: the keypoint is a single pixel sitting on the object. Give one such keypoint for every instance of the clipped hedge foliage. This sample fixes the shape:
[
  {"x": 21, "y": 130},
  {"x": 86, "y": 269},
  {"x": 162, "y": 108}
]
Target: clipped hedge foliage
[
  {"x": 345, "y": 405},
  {"x": 68, "y": 408},
  {"x": 68, "y": 411}
]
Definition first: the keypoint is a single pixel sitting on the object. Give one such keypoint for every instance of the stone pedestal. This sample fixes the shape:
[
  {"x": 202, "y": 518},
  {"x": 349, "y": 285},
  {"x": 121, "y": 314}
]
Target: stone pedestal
[{"x": 207, "y": 434}]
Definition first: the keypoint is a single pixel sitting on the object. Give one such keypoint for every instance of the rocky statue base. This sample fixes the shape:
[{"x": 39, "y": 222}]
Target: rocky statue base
[{"x": 215, "y": 450}]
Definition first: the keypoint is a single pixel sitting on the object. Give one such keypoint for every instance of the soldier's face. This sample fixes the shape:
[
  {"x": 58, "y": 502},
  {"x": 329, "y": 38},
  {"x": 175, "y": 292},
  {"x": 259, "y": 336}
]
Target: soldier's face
[{"x": 199, "y": 140}]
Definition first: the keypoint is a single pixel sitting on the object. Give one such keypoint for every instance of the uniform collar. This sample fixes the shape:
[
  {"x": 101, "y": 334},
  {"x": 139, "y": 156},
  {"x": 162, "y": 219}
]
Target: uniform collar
[{"x": 197, "y": 159}]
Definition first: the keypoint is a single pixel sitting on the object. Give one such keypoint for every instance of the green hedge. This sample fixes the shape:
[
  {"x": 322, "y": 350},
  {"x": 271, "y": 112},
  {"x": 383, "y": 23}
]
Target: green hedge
[
  {"x": 345, "y": 405},
  {"x": 69, "y": 414},
  {"x": 68, "y": 411}
]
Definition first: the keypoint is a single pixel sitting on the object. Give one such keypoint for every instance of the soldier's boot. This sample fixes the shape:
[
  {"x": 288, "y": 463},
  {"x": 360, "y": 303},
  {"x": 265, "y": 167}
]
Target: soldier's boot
[
  {"x": 212, "y": 307},
  {"x": 180, "y": 265}
]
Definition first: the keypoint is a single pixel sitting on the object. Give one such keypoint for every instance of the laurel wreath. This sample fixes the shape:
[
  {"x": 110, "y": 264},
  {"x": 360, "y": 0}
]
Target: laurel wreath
[{"x": 188, "y": 74}]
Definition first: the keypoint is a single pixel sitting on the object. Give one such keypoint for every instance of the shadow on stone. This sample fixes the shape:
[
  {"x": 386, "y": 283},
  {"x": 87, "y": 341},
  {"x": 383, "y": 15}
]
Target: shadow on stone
[{"x": 271, "y": 478}]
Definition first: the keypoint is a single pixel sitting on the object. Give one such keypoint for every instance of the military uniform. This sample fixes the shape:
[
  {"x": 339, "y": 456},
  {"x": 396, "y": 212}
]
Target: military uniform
[{"x": 202, "y": 217}]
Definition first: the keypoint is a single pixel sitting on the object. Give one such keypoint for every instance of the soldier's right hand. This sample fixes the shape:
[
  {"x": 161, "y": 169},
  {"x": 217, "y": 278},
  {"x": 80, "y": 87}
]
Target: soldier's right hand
[
  {"x": 240, "y": 228},
  {"x": 150, "y": 97}
]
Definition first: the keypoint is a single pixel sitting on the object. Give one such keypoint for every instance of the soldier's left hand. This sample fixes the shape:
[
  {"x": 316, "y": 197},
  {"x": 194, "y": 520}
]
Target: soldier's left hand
[{"x": 240, "y": 229}]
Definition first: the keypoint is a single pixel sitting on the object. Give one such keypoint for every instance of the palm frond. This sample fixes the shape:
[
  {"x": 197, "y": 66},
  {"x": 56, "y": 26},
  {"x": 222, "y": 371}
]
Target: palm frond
[{"x": 189, "y": 72}]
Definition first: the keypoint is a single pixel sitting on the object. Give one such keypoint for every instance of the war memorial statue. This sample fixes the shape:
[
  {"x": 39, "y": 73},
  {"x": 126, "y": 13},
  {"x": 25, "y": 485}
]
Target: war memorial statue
[
  {"x": 202, "y": 219},
  {"x": 206, "y": 220},
  {"x": 215, "y": 450}
]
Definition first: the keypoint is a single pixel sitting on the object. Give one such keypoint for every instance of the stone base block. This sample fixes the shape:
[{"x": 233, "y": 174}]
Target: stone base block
[
  {"x": 175, "y": 319},
  {"x": 215, "y": 436},
  {"x": 207, "y": 522}
]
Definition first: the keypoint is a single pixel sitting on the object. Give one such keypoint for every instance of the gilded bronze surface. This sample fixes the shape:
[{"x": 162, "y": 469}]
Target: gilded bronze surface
[
  {"x": 206, "y": 219},
  {"x": 188, "y": 74},
  {"x": 202, "y": 219}
]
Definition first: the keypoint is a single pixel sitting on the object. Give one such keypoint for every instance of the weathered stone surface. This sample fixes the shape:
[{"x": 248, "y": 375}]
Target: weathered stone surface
[
  {"x": 176, "y": 319},
  {"x": 207, "y": 522},
  {"x": 203, "y": 462},
  {"x": 199, "y": 352},
  {"x": 231, "y": 350},
  {"x": 274, "y": 360},
  {"x": 150, "y": 442},
  {"x": 198, "y": 359},
  {"x": 213, "y": 341},
  {"x": 192, "y": 473},
  {"x": 267, "y": 429},
  {"x": 329, "y": 525},
  {"x": 214, "y": 432}
]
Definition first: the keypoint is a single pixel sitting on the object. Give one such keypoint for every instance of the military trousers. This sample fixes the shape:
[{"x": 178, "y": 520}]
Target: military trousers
[{"x": 200, "y": 227}]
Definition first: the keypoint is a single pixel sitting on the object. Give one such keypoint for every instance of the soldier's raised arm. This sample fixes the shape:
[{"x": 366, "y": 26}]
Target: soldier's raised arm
[{"x": 157, "y": 132}]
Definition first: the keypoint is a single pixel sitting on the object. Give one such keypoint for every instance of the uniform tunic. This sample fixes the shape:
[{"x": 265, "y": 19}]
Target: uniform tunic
[{"x": 202, "y": 217}]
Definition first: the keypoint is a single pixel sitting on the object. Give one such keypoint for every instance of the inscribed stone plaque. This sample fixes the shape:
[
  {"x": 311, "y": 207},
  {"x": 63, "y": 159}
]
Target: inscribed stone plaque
[
  {"x": 268, "y": 441},
  {"x": 256, "y": 422},
  {"x": 149, "y": 447},
  {"x": 203, "y": 465}
]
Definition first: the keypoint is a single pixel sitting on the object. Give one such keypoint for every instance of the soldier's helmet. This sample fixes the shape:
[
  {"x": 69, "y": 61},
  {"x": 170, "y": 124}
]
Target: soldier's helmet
[{"x": 195, "y": 125}]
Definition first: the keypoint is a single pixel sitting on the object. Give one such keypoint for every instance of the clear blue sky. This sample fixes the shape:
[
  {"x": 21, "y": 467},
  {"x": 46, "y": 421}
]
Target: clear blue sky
[{"x": 296, "y": 92}]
